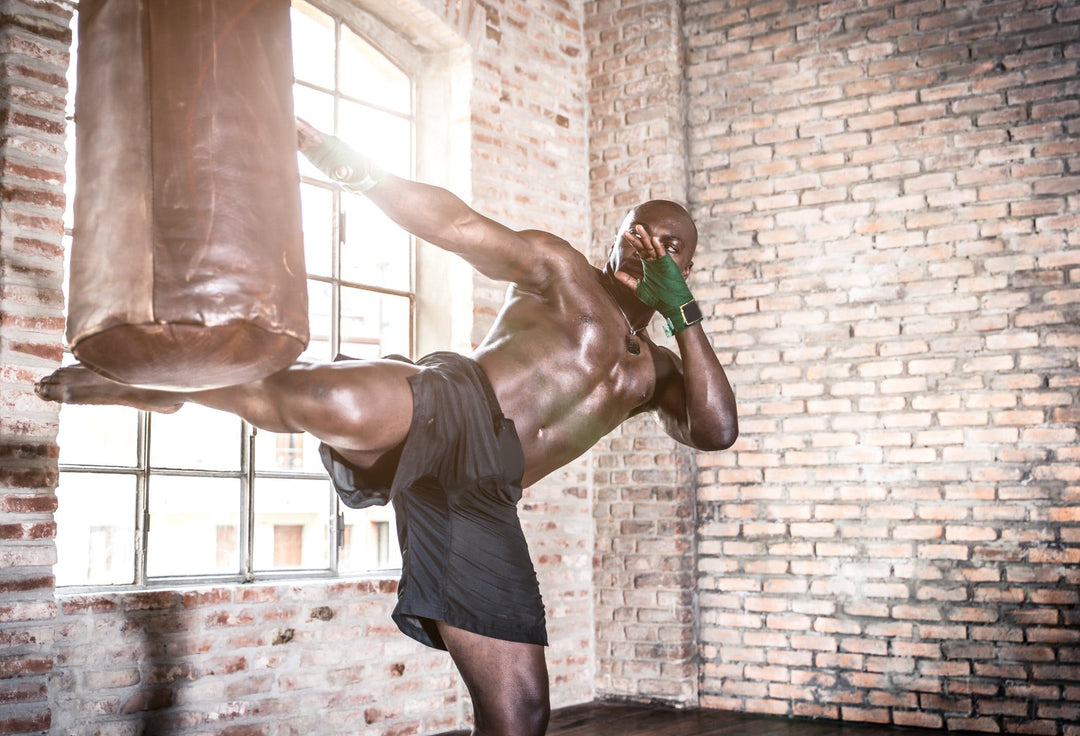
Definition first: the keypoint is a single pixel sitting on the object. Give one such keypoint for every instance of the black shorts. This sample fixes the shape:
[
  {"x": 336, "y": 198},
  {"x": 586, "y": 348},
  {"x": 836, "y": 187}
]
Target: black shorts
[{"x": 455, "y": 491}]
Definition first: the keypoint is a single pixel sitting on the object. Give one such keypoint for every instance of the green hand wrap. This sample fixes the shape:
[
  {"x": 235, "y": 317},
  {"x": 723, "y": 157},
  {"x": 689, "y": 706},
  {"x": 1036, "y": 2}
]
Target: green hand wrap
[
  {"x": 662, "y": 287},
  {"x": 354, "y": 170}
]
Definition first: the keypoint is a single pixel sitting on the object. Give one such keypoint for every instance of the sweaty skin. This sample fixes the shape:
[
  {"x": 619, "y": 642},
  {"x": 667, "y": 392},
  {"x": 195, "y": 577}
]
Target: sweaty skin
[{"x": 558, "y": 360}]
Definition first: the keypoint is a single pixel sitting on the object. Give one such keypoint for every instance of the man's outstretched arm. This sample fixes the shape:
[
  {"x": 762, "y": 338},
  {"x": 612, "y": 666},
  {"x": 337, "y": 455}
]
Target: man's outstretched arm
[{"x": 431, "y": 213}]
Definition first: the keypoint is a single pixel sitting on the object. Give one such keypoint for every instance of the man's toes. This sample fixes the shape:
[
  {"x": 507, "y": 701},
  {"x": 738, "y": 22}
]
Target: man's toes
[{"x": 44, "y": 387}]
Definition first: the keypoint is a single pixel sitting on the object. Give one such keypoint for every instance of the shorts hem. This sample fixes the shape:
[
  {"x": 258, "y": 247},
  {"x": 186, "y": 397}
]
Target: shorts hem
[{"x": 421, "y": 627}]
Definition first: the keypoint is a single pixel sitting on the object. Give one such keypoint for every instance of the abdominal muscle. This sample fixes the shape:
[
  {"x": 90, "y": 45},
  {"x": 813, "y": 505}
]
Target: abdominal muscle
[{"x": 565, "y": 382}]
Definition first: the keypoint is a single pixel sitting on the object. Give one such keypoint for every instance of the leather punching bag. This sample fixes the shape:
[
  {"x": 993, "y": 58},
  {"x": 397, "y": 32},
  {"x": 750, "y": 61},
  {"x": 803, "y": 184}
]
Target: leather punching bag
[{"x": 187, "y": 267}]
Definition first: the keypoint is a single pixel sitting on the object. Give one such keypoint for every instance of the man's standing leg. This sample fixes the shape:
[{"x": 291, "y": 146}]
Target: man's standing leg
[{"x": 508, "y": 682}]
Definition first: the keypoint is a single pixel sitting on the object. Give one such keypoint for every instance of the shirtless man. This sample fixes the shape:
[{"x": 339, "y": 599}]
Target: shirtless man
[{"x": 566, "y": 361}]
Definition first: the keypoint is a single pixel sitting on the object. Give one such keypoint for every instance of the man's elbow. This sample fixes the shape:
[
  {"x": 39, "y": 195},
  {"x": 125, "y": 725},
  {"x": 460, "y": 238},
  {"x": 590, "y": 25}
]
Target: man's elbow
[{"x": 718, "y": 438}]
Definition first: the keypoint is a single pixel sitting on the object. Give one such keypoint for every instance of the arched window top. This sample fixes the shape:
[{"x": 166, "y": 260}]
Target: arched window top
[
  {"x": 406, "y": 31},
  {"x": 331, "y": 56}
]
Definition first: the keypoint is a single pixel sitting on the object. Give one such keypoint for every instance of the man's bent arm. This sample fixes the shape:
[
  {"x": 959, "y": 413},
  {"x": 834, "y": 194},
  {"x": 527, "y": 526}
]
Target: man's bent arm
[
  {"x": 693, "y": 399},
  {"x": 699, "y": 410}
]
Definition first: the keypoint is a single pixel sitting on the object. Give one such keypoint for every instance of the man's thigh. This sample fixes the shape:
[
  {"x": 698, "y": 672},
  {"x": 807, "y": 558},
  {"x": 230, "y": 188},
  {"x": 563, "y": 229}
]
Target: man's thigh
[
  {"x": 508, "y": 681},
  {"x": 360, "y": 408}
]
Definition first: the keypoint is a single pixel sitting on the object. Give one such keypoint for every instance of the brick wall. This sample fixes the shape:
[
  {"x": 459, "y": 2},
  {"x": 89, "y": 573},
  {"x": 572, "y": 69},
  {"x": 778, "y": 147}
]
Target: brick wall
[
  {"x": 528, "y": 124},
  {"x": 888, "y": 193},
  {"x": 318, "y": 657},
  {"x": 33, "y": 57},
  {"x": 322, "y": 657},
  {"x": 644, "y": 511}
]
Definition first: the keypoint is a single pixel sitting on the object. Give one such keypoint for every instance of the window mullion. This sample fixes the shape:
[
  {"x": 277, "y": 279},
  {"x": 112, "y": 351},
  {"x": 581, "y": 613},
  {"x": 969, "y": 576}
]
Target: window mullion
[
  {"x": 247, "y": 501},
  {"x": 338, "y": 236},
  {"x": 335, "y": 524},
  {"x": 142, "y": 497}
]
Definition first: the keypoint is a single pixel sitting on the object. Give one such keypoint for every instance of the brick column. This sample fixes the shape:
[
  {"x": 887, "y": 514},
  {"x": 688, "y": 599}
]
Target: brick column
[
  {"x": 644, "y": 549},
  {"x": 34, "y": 40}
]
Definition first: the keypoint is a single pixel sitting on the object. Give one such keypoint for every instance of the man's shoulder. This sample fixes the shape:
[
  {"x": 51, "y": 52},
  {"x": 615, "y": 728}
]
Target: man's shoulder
[
  {"x": 557, "y": 249},
  {"x": 557, "y": 265}
]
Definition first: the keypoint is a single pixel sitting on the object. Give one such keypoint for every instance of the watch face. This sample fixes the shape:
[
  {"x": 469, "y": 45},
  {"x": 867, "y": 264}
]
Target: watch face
[{"x": 691, "y": 313}]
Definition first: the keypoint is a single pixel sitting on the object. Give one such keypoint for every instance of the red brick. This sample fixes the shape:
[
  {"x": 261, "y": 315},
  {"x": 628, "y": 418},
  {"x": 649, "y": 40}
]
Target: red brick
[
  {"x": 24, "y": 666},
  {"x": 917, "y": 719},
  {"x": 24, "y": 723},
  {"x": 42, "y": 530}
]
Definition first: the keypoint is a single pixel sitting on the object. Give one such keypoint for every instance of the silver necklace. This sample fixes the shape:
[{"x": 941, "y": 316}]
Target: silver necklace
[{"x": 633, "y": 345}]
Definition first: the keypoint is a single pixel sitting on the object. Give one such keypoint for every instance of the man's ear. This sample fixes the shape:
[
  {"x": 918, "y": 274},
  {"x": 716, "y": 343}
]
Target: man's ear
[{"x": 686, "y": 271}]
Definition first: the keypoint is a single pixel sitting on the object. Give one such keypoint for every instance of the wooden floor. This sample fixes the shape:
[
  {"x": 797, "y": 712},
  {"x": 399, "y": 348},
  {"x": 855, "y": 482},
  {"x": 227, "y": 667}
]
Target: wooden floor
[{"x": 615, "y": 719}]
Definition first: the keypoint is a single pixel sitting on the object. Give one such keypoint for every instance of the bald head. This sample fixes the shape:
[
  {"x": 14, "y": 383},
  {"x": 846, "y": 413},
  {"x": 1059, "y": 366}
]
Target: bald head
[
  {"x": 663, "y": 214},
  {"x": 669, "y": 226}
]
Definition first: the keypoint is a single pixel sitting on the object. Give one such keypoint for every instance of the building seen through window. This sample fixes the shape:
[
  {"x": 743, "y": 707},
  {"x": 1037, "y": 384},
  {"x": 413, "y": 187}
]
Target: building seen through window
[{"x": 150, "y": 498}]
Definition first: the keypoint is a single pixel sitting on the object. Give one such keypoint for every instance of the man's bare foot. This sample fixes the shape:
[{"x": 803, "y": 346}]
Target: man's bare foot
[{"x": 76, "y": 384}]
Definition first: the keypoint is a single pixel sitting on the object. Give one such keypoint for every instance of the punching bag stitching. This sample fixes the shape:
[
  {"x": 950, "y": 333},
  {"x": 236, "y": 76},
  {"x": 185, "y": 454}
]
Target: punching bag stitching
[
  {"x": 147, "y": 61},
  {"x": 196, "y": 93}
]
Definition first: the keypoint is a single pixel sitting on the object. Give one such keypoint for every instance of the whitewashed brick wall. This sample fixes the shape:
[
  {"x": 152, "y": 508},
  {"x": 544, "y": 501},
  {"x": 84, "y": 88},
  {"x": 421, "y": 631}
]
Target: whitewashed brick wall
[{"x": 889, "y": 193}]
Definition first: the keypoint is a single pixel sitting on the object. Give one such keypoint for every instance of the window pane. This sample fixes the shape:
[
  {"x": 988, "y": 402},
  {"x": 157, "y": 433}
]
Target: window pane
[
  {"x": 313, "y": 45},
  {"x": 386, "y": 138},
  {"x": 295, "y": 453},
  {"x": 95, "y": 529},
  {"x": 292, "y": 524},
  {"x": 366, "y": 73},
  {"x": 374, "y": 325},
  {"x": 316, "y": 107},
  {"x": 319, "y": 322},
  {"x": 98, "y": 435},
  {"x": 371, "y": 541},
  {"x": 195, "y": 438},
  {"x": 317, "y": 205},
  {"x": 377, "y": 252},
  {"x": 190, "y": 520}
]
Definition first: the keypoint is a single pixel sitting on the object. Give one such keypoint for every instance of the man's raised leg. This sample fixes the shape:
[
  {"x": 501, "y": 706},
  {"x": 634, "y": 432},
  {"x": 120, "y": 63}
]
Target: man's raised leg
[
  {"x": 508, "y": 682},
  {"x": 354, "y": 406}
]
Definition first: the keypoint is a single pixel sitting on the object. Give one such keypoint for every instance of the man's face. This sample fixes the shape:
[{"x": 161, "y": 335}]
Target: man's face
[{"x": 668, "y": 224}]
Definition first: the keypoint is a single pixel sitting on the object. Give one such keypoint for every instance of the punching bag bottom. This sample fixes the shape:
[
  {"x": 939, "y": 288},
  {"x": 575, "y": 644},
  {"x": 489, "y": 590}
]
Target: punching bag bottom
[{"x": 183, "y": 357}]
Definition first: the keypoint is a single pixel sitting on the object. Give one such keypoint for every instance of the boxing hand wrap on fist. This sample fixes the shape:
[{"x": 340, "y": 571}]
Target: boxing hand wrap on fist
[
  {"x": 354, "y": 170},
  {"x": 662, "y": 287}
]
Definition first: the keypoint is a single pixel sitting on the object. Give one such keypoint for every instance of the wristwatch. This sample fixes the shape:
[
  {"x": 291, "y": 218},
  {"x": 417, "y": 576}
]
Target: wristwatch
[{"x": 690, "y": 313}]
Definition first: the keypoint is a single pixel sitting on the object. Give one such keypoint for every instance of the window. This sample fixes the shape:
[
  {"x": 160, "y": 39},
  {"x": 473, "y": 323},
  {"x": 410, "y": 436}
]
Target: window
[{"x": 148, "y": 499}]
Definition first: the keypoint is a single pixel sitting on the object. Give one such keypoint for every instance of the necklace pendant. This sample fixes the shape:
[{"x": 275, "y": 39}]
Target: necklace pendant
[{"x": 632, "y": 345}]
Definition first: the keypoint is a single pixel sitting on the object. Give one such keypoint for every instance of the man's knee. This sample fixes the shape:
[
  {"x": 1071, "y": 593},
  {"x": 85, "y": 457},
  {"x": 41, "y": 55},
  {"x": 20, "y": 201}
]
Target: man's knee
[
  {"x": 523, "y": 714},
  {"x": 533, "y": 714}
]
